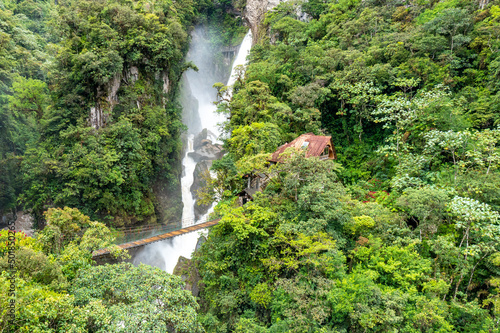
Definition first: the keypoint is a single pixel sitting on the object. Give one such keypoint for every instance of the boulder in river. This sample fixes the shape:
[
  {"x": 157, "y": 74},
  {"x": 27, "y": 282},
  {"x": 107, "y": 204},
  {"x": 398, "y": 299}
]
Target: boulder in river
[
  {"x": 188, "y": 272},
  {"x": 197, "y": 141},
  {"x": 208, "y": 151},
  {"x": 201, "y": 169}
]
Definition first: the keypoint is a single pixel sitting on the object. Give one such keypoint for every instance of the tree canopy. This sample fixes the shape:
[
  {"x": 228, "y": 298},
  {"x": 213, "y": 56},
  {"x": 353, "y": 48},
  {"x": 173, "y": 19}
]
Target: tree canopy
[{"x": 399, "y": 234}]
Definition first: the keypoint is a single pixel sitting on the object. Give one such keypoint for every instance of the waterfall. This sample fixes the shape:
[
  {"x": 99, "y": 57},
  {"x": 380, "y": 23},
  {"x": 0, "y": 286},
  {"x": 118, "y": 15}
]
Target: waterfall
[
  {"x": 241, "y": 58},
  {"x": 186, "y": 181},
  {"x": 165, "y": 254}
]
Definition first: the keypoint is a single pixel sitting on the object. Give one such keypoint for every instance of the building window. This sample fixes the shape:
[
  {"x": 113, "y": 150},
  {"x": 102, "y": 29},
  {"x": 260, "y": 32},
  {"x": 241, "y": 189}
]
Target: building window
[{"x": 326, "y": 151}]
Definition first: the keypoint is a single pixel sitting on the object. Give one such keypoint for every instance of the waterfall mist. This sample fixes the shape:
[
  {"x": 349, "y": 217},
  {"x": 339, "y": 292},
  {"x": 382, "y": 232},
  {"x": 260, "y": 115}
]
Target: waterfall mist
[{"x": 165, "y": 254}]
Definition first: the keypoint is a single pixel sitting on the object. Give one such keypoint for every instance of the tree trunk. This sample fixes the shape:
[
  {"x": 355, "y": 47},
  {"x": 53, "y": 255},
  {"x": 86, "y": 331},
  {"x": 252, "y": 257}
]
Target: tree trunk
[{"x": 458, "y": 284}]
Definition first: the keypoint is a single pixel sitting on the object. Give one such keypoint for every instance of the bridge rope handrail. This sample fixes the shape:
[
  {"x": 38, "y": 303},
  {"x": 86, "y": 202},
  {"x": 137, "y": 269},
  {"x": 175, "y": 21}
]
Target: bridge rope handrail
[
  {"x": 183, "y": 222},
  {"x": 127, "y": 235},
  {"x": 155, "y": 238}
]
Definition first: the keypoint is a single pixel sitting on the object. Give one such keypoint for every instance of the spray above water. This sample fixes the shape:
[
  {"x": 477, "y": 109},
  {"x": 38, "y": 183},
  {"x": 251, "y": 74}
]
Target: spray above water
[{"x": 165, "y": 254}]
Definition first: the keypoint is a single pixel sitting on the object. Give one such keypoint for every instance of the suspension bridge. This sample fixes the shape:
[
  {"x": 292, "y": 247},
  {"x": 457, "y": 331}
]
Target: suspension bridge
[{"x": 129, "y": 238}]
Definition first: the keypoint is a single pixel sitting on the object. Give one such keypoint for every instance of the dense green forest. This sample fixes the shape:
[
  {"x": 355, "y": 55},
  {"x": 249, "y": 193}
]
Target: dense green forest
[
  {"x": 58, "y": 63},
  {"x": 89, "y": 119},
  {"x": 88, "y": 110},
  {"x": 400, "y": 234}
]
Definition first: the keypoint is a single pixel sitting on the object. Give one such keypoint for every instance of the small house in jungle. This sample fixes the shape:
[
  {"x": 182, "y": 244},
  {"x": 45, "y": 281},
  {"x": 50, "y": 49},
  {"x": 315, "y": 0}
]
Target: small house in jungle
[{"x": 314, "y": 145}]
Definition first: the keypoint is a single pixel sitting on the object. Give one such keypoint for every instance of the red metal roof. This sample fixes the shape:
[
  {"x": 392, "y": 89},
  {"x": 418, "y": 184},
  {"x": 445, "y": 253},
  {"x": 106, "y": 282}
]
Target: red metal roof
[{"x": 315, "y": 146}]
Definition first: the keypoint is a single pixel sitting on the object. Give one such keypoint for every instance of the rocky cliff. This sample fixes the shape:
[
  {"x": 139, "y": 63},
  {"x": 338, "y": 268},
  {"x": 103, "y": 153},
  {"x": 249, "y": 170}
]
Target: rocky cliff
[
  {"x": 107, "y": 96},
  {"x": 254, "y": 13}
]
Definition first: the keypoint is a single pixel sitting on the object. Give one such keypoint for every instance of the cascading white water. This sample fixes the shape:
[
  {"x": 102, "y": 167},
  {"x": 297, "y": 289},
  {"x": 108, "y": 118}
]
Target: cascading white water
[
  {"x": 241, "y": 58},
  {"x": 201, "y": 87},
  {"x": 186, "y": 181}
]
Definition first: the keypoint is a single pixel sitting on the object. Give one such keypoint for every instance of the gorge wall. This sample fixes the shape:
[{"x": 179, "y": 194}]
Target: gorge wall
[{"x": 254, "y": 14}]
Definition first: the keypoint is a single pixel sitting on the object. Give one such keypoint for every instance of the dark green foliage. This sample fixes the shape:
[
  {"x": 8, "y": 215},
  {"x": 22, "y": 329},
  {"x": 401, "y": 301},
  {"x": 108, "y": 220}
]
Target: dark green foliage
[
  {"x": 122, "y": 59},
  {"x": 22, "y": 101},
  {"x": 140, "y": 298},
  {"x": 402, "y": 235},
  {"x": 304, "y": 255}
]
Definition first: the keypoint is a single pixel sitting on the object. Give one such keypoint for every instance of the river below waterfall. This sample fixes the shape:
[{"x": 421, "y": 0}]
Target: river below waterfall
[{"x": 165, "y": 254}]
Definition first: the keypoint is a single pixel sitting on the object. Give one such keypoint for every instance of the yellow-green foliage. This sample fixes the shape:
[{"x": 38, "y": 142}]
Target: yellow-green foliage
[
  {"x": 360, "y": 224},
  {"x": 261, "y": 295},
  {"x": 21, "y": 240}
]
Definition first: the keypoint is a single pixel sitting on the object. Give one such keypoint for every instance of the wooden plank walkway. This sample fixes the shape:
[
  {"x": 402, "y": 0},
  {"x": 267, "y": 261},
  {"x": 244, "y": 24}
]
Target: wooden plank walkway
[{"x": 158, "y": 238}]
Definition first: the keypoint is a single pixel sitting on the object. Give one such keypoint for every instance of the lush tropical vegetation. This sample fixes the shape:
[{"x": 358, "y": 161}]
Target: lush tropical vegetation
[
  {"x": 88, "y": 108},
  {"x": 400, "y": 234},
  {"x": 89, "y": 119},
  {"x": 59, "y": 289}
]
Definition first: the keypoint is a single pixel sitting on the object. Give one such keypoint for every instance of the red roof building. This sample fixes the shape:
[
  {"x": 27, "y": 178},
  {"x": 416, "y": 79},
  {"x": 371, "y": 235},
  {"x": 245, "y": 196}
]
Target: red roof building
[{"x": 315, "y": 146}]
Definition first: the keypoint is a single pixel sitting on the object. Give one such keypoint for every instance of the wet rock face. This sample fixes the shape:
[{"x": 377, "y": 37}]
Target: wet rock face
[
  {"x": 190, "y": 107},
  {"x": 204, "y": 137},
  {"x": 107, "y": 98},
  {"x": 197, "y": 141},
  {"x": 107, "y": 95},
  {"x": 201, "y": 169},
  {"x": 186, "y": 269},
  {"x": 204, "y": 148},
  {"x": 204, "y": 153},
  {"x": 200, "y": 242}
]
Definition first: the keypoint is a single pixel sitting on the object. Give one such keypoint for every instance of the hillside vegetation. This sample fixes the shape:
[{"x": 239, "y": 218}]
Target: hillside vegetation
[
  {"x": 89, "y": 125},
  {"x": 401, "y": 233},
  {"x": 88, "y": 112}
]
